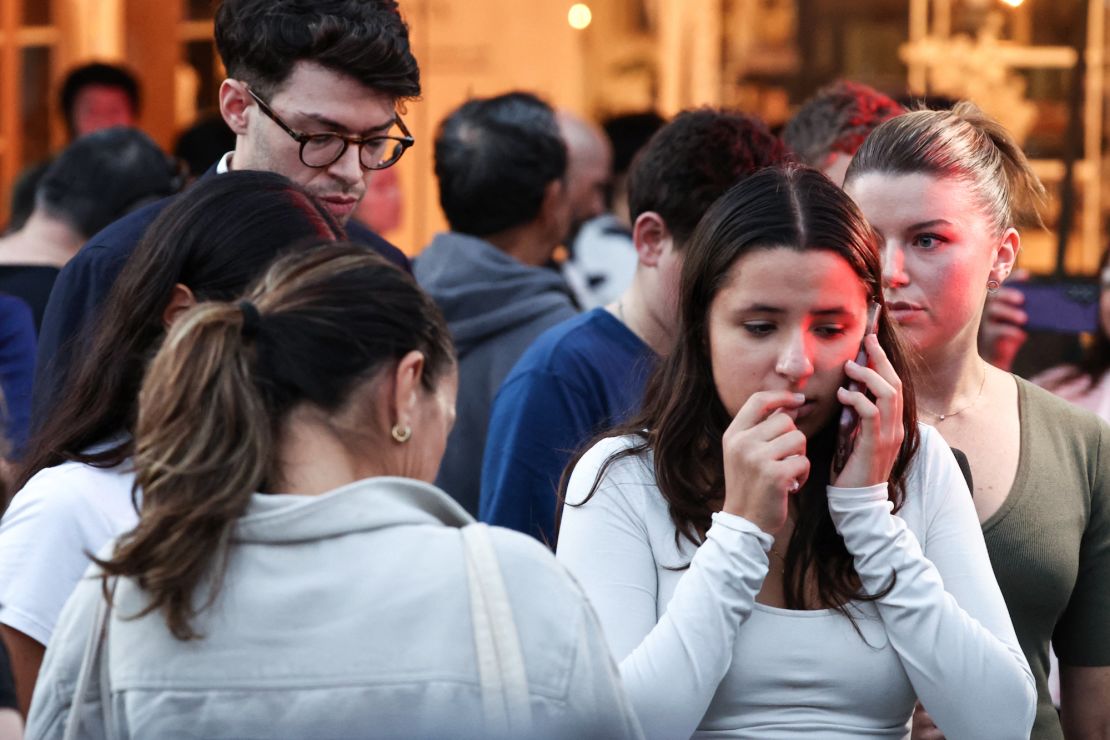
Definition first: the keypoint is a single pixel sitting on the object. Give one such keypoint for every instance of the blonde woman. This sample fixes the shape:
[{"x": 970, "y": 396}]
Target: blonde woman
[{"x": 948, "y": 190}]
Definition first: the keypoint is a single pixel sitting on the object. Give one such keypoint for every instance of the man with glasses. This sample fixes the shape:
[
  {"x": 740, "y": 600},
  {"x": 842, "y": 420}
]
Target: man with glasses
[{"x": 312, "y": 93}]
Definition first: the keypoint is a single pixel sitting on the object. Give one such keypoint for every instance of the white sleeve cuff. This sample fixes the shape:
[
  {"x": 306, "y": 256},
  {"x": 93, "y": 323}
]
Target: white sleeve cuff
[{"x": 738, "y": 523}]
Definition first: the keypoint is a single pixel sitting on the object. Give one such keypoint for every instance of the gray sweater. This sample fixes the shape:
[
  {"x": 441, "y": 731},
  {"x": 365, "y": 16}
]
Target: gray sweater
[{"x": 495, "y": 307}]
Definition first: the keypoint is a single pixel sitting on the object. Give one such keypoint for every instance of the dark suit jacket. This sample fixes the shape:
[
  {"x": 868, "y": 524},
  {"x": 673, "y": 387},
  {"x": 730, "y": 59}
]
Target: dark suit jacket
[{"x": 85, "y": 281}]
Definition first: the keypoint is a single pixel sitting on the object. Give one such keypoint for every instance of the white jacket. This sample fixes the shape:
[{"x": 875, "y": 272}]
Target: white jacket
[{"x": 342, "y": 615}]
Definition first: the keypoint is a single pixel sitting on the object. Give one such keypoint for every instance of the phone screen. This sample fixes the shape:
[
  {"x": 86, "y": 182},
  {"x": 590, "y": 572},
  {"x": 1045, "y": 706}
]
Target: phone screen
[{"x": 849, "y": 419}]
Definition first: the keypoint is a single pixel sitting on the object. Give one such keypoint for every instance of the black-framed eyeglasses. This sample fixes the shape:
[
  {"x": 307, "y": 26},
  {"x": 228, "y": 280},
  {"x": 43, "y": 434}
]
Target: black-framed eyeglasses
[{"x": 323, "y": 150}]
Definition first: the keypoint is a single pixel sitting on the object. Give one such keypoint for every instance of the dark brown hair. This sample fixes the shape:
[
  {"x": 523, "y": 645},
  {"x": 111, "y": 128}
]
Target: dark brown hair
[
  {"x": 215, "y": 239},
  {"x": 695, "y": 158},
  {"x": 311, "y": 333},
  {"x": 797, "y": 208}
]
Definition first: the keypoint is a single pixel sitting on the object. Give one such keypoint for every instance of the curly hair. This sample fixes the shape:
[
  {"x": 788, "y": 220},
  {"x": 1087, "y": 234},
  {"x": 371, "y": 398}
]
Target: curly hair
[
  {"x": 693, "y": 160},
  {"x": 837, "y": 119},
  {"x": 260, "y": 41}
]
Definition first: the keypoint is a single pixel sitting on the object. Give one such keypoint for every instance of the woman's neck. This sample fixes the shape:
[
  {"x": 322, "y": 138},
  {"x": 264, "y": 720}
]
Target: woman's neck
[
  {"x": 950, "y": 379},
  {"x": 313, "y": 460}
]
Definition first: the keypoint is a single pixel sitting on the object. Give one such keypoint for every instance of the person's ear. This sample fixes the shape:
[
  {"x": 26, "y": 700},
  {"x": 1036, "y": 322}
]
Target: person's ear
[
  {"x": 651, "y": 237},
  {"x": 406, "y": 389},
  {"x": 1006, "y": 255},
  {"x": 181, "y": 300},
  {"x": 234, "y": 102}
]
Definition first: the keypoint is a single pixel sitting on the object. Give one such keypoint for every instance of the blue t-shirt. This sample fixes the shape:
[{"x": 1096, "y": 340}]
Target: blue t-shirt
[
  {"x": 577, "y": 379},
  {"x": 17, "y": 365}
]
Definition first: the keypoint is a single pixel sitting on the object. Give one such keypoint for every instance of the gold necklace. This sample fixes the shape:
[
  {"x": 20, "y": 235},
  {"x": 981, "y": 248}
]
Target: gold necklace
[{"x": 942, "y": 417}]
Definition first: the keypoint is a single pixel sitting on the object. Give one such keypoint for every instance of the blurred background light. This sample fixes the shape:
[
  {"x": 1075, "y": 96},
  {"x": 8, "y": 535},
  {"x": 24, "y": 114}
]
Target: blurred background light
[{"x": 579, "y": 16}]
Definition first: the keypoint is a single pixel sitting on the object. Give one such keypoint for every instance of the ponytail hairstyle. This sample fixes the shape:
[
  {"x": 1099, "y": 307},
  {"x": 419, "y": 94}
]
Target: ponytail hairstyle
[
  {"x": 683, "y": 421},
  {"x": 215, "y": 239},
  {"x": 964, "y": 143},
  {"x": 316, "y": 328}
]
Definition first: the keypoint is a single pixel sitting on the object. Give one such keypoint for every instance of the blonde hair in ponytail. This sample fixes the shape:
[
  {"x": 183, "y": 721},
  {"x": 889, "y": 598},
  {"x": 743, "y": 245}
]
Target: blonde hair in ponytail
[
  {"x": 964, "y": 143},
  {"x": 203, "y": 446}
]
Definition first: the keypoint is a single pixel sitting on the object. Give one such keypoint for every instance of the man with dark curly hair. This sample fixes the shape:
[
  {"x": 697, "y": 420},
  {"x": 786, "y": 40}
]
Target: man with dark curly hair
[
  {"x": 828, "y": 129},
  {"x": 589, "y": 371},
  {"x": 312, "y": 93}
]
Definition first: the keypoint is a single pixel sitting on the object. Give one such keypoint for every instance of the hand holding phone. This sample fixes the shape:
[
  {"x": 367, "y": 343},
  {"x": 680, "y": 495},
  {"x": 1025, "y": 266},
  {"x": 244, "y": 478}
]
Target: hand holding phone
[{"x": 849, "y": 419}]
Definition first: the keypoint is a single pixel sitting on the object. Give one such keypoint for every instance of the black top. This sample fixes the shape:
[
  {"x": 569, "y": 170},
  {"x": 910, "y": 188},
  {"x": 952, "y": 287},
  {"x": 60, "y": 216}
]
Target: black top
[
  {"x": 32, "y": 284},
  {"x": 7, "y": 683}
]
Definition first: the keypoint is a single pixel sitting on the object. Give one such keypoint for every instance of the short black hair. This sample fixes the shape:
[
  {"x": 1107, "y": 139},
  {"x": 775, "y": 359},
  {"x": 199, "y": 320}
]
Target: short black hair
[
  {"x": 260, "y": 41},
  {"x": 204, "y": 143},
  {"x": 629, "y": 133},
  {"x": 104, "y": 175},
  {"x": 494, "y": 158},
  {"x": 693, "y": 160},
  {"x": 97, "y": 73}
]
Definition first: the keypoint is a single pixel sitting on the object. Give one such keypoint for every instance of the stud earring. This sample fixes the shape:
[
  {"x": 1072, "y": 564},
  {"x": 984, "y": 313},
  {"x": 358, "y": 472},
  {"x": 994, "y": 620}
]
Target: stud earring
[
  {"x": 400, "y": 433},
  {"x": 993, "y": 286}
]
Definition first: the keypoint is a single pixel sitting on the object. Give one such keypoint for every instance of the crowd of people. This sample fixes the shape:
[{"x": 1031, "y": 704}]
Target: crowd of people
[{"x": 683, "y": 428}]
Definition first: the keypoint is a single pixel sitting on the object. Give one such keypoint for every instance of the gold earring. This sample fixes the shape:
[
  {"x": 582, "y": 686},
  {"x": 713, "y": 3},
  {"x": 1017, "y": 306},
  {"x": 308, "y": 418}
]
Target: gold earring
[{"x": 400, "y": 433}]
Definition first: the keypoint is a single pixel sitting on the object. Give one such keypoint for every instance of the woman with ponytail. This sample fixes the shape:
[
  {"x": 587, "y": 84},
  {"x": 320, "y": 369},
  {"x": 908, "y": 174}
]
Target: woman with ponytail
[
  {"x": 294, "y": 573},
  {"x": 753, "y": 581},
  {"x": 948, "y": 191},
  {"x": 75, "y": 488}
]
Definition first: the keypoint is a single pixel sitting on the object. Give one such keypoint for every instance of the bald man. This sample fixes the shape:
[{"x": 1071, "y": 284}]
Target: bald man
[{"x": 602, "y": 259}]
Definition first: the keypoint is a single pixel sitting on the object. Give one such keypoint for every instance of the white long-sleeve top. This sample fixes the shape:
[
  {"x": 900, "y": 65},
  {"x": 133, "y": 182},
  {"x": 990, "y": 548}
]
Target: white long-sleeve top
[{"x": 698, "y": 655}]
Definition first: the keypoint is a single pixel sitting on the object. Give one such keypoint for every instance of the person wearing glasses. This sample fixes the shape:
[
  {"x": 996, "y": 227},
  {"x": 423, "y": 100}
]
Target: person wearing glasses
[{"x": 319, "y": 107}]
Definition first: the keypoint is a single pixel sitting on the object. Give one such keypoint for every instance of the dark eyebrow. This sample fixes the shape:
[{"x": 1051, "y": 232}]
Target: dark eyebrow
[
  {"x": 761, "y": 308},
  {"x": 775, "y": 310},
  {"x": 335, "y": 126}
]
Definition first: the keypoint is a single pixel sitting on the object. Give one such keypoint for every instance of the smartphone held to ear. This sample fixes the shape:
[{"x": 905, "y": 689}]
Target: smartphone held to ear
[{"x": 849, "y": 419}]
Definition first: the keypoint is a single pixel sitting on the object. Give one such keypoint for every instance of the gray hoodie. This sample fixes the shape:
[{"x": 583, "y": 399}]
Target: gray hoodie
[{"x": 495, "y": 307}]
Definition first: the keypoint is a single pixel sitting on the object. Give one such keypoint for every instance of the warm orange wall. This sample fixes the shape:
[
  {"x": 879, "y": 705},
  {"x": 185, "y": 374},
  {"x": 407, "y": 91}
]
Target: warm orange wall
[{"x": 475, "y": 48}]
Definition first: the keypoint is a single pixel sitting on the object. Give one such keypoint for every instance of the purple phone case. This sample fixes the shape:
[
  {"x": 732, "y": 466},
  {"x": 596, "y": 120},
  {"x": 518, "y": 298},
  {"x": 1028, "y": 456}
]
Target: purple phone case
[{"x": 1062, "y": 306}]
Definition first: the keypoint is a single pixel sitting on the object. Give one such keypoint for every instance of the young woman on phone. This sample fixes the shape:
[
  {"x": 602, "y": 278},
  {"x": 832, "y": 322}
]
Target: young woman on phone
[
  {"x": 947, "y": 191},
  {"x": 747, "y": 588}
]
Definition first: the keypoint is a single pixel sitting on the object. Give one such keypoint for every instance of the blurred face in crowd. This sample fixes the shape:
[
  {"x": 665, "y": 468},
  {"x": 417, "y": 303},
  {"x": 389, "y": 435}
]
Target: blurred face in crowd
[
  {"x": 787, "y": 319},
  {"x": 312, "y": 100},
  {"x": 101, "y": 106},
  {"x": 589, "y": 169},
  {"x": 382, "y": 208},
  {"x": 587, "y": 180}
]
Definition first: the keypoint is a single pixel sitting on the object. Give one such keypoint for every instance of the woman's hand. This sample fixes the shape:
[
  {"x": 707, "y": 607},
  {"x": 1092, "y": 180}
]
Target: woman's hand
[
  {"x": 880, "y": 421},
  {"x": 764, "y": 457}
]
